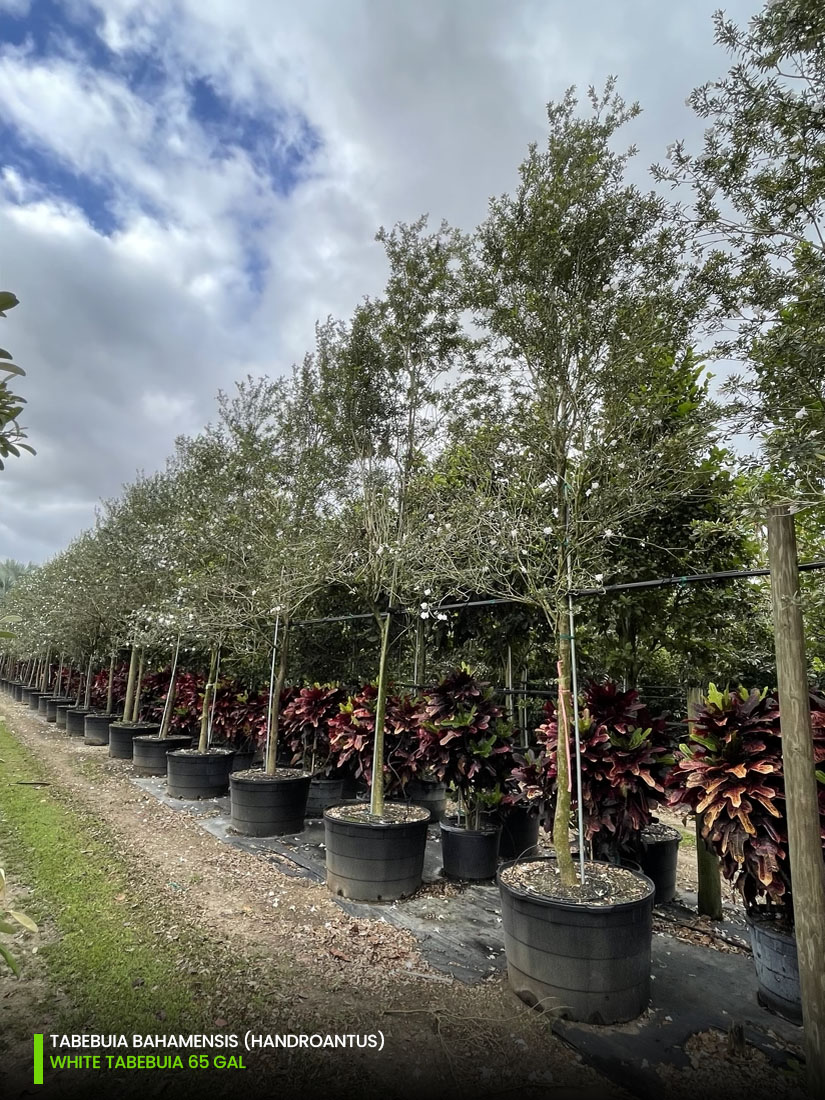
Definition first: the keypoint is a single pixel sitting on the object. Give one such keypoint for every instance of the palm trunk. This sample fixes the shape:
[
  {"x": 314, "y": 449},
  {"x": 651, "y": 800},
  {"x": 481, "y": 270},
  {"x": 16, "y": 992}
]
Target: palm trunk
[{"x": 275, "y": 703}]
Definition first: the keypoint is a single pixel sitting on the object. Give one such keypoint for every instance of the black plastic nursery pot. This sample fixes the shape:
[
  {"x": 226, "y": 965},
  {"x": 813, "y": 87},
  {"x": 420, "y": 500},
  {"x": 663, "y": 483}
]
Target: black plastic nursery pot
[
  {"x": 34, "y": 699},
  {"x": 243, "y": 759},
  {"x": 470, "y": 855},
  {"x": 25, "y": 694},
  {"x": 52, "y": 703},
  {"x": 519, "y": 833},
  {"x": 18, "y": 693},
  {"x": 96, "y": 728},
  {"x": 323, "y": 792},
  {"x": 75, "y": 721},
  {"x": 777, "y": 967},
  {"x": 122, "y": 734},
  {"x": 585, "y": 961},
  {"x": 149, "y": 752},
  {"x": 61, "y": 710},
  {"x": 42, "y": 703},
  {"x": 192, "y": 774},
  {"x": 658, "y": 856},
  {"x": 268, "y": 805},
  {"x": 431, "y": 795},
  {"x": 375, "y": 859}
]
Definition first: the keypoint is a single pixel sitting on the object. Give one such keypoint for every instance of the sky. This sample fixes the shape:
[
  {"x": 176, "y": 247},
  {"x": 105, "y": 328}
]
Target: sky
[{"x": 187, "y": 186}]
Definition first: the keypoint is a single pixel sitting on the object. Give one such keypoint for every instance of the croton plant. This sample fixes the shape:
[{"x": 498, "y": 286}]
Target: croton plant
[
  {"x": 352, "y": 735},
  {"x": 305, "y": 725},
  {"x": 626, "y": 754},
  {"x": 730, "y": 773}
]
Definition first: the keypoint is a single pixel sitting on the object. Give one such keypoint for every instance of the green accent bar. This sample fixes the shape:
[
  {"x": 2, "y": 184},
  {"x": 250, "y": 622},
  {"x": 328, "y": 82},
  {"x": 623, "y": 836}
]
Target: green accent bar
[{"x": 38, "y": 1059}]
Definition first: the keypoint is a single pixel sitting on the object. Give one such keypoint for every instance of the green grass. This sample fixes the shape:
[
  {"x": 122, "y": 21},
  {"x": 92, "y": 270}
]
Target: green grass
[{"x": 110, "y": 951}]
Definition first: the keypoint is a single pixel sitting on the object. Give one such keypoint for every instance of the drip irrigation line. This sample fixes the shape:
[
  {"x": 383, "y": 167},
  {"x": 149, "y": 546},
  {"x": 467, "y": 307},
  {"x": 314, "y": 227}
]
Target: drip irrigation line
[{"x": 659, "y": 582}]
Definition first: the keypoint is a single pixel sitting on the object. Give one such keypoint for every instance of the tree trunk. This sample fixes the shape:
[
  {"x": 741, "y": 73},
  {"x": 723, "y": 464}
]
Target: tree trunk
[
  {"x": 707, "y": 864},
  {"x": 561, "y": 816},
  {"x": 203, "y": 742},
  {"x": 275, "y": 703},
  {"x": 130, "y": 685},
  {"x": 110, "y": 690},
  {"x": 88, "y": 699},
  {"x": 377, "y": 786},
  {"x": 169, "y": 701},
  {"x": 801, "y": 796},
  {"x": 138, "y": 686}
]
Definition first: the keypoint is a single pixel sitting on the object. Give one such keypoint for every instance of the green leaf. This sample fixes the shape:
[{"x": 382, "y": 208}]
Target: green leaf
[
  {"x": 21, "y": 918},
  {"x": 7, "y": 955},
  {"x": 8, "y": 300},
  {"x": 9, "y": 929},
  {"x": 12, "y": 368}
]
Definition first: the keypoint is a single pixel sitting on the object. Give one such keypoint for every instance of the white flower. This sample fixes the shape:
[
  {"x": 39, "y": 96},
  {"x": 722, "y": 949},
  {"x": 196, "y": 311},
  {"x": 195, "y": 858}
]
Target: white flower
[
  {"x": 547, "y": 530},
  {"x": 425, "y": 607},
  {"x": 801, "y": 414},
  {"x": 608, "y": 534},
  {"x": 425, "y": 615},
  {"x": 441, "y": 616},
  {"x": 431, "y": 515},
  {"x": 428, "y": 592},
  {"x": 599, "y": 577},
  {"x": 594, "y": 485}
]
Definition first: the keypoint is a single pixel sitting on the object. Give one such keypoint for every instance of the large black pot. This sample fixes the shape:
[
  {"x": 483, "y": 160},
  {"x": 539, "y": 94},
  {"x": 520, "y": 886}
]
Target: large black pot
[
  {"x": 430, "y": 795},
  {"x": 267, "y": 805},
  {"x": 53, "y": 703},
  {"x": 470, "y": 855},
  {"x": 76, "y": 721},
  {"x": 43, "y": 702},
  {"x": 192, "y": 775},
  {"x": 96, "y": 728},
  {"x": 34, "y": 699},
  {"x": 243, "y": 759},
  {"x": 658, "y": 856},
  {"x": 25, "y": 694},
  {"x": 777, "y": 968},
  {"x": 323, "y": 792},
  {"x": 18, "y": 693},
  {"x": 149, "y": 753},
  {"x": 587, "y": 962},
  {"x": 61, "y": 710},
  {"x": 375, "y": 860},
  {"x": 122, "y": 734},
  {"x": 519, "y": 833}
]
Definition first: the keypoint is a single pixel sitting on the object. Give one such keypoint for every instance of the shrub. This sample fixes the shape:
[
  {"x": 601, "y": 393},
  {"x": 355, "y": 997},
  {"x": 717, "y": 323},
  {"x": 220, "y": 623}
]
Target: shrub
[
  {"x": 730, "y": 773},
  {"x": 626, "y": 753},
  {"x": 305, "y": 726}
]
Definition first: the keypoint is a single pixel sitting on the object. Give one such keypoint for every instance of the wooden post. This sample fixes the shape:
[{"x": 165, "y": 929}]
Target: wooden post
[
  {"x": 707, "y": 864},
  {"x": 804, "y": 842}
]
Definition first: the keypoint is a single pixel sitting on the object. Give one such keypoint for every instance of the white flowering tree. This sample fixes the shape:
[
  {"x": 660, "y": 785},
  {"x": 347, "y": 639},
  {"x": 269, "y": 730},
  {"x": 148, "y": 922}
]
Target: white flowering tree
[
  {"x": 384, "y": 378},
  {"x": 575, "y": 421}
]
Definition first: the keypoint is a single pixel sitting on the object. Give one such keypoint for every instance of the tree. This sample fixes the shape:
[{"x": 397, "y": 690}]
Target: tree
[
  {"x": 583, "y": 285},
  {"x": 758, "y": 194},
  {"x": 384, "y": 388},
  {"x": 11, "y": 405}
]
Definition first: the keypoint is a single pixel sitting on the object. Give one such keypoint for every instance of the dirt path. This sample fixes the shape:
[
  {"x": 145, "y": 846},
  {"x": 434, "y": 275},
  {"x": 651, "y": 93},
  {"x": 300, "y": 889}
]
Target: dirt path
[{"x": 291, "y": 948}]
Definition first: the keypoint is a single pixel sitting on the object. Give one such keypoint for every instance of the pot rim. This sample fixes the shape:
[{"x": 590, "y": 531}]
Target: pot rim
[
  {"x": 567, "y": 904},
  {"x": 449, "y": 825}
]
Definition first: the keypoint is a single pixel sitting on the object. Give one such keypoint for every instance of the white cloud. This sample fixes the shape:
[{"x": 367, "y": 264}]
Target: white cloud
[{"x": 420, "y": 106}]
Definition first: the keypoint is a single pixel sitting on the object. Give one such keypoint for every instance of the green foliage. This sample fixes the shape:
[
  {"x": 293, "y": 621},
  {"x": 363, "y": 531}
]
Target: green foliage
[
  {"x": 11, "y": 404},
  {"x": 11, "y": 921}
]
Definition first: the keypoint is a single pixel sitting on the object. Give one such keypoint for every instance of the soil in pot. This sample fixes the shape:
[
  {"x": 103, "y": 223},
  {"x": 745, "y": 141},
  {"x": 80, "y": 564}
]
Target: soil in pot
[
  {"x": 777, "y": 965},
  {"x": 96, "y": 728},
  {"x": 149, "y": 753},
  {"x": 192, "y": 774},
  {"x": 268, "y": 805},
  {"x": 658, "y": 855},
  {"x": 122, "y": 735},
  {"x": 470, "y": 855},
  {"x": 375, "y": 859},
  {"x": 584, "y": 952},
  {"x": 519, "y": 833}
]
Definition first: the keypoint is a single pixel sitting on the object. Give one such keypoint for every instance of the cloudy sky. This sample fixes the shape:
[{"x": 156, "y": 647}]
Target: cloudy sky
[{"x": 187, "y": 185}]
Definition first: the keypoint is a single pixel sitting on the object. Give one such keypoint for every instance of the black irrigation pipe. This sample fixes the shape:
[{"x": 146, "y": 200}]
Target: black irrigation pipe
[{"x": 661, "y": 582}]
